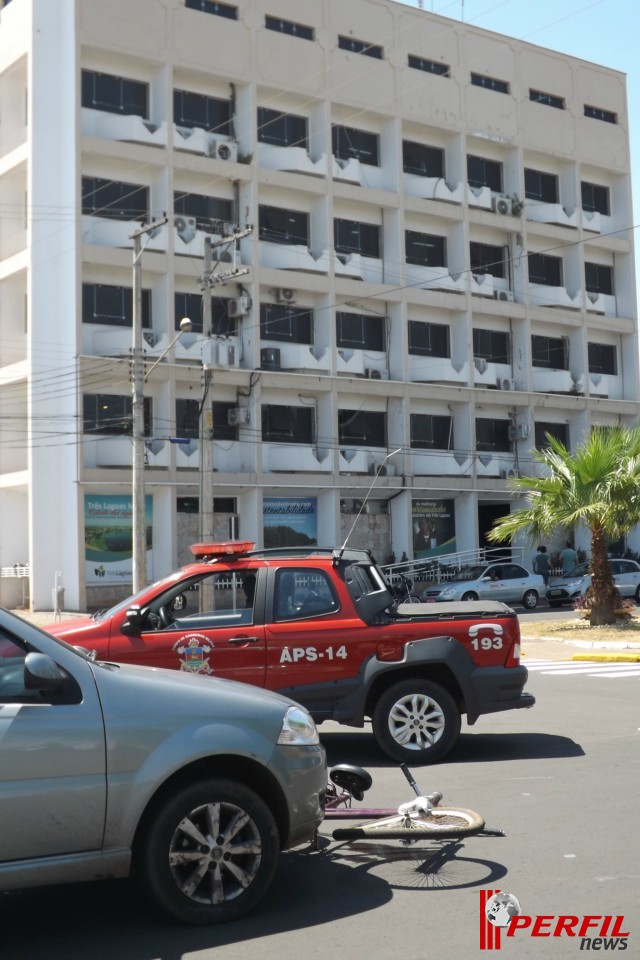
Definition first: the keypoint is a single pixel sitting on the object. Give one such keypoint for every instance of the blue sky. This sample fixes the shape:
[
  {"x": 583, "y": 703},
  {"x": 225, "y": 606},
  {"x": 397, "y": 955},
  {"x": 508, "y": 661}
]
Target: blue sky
[{"x": 602, "y": 31}]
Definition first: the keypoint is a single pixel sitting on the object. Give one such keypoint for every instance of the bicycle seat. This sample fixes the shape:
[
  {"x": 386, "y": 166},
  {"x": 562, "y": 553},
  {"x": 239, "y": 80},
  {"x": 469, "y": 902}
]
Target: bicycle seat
[{"x": 354, "y": 779}]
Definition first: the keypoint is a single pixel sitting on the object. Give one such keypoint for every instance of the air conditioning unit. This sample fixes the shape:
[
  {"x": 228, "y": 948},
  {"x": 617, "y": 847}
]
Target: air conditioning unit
[
  {"x": 285, "y": 295},
  {"x": 373, "y": 374},
  {"x": 506, "y": 296},
  {"x": 225, "y": 150},
  {"x": 505, "y": 383},
  {"x": 228, "y": 229},
  {"x": 238, "y": 416},
  {"x": 510, "y": 474},
  {"x": 227, "y": 354},
  {"x": 185, "y": 228},
  {"x": 518, "y": 431},
  {"x": 501, "y": 205},
  {"x": 238, "y": 307},
  {"x": 270, "y": 358}
]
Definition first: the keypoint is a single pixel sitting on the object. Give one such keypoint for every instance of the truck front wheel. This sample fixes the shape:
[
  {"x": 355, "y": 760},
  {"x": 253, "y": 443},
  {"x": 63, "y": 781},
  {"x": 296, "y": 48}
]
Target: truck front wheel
[{"x": 416, "y": 722}]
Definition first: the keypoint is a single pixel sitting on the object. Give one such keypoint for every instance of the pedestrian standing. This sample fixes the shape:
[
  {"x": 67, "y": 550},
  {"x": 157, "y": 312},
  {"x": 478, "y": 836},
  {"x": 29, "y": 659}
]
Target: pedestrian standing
[
  {"x": 541, "y": 564},
  {"x": 568, "y": 558}
]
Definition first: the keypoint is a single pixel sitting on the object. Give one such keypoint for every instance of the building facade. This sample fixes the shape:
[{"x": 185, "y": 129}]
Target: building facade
[{"x": 421, "y": 266}]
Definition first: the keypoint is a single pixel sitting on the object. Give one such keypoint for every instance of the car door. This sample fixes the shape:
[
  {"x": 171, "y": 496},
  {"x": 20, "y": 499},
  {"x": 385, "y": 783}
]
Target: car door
[
  {"x": 626, "y": 577},
  {"x": 515, "y": 582},
  {"x": 491, "y": 585},
  {"x": 211, "y": 625},
  {"x": 53, "y": 789}
]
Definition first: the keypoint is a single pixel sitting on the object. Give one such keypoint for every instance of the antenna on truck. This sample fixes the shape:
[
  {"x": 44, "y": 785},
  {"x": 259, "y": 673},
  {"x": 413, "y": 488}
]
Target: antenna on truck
[{"x": 364, "y": 502}]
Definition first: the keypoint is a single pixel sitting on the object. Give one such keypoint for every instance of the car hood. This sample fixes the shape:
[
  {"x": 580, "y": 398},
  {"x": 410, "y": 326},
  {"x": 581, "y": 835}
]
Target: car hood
[{"x": 63, "y": 627}]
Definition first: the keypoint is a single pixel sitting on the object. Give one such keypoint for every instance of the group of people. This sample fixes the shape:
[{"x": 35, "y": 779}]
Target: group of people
[{"x": 542, "y": 565}]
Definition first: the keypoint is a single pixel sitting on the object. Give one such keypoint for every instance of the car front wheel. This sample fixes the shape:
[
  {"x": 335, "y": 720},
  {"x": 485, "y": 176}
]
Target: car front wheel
[
  {"x": 530, "y": 600},
  {"x": 210, "y": 853},
  {"x": 469, "y": 595},
  {"x": 416, "y": 722}
]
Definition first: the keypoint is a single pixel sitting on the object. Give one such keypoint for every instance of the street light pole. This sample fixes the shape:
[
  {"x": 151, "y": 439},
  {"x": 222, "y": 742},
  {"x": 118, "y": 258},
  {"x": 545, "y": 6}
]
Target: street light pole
[{"x": 206, "y": 417}]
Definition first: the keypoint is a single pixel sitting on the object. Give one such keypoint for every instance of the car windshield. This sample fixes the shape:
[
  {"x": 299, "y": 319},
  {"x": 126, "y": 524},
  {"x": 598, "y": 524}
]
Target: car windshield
[{"x": 581, "y": 570}]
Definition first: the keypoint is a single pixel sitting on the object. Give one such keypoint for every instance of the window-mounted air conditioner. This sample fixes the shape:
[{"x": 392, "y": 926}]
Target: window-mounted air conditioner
[
  {"x": 185, "y": 228},
  {"x": 285, "y": 295},
  {"x": 510, "y": 474},
  {"x": 373, "y": 374},
  {"x": 505, "y": 383},
  {"x": 225, "y": 150},
  {"x": 238, "y": 307},
  {"x": 518, "y": 431},
  {"x": 384, "y": 470},
  {"x": 506, "y": 296},
  {"x": 502, "y": 205},
  {"x": 237, "y": 416}
]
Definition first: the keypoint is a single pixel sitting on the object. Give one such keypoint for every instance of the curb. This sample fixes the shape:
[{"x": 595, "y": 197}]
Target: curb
[{"x": 608, "y": 657}]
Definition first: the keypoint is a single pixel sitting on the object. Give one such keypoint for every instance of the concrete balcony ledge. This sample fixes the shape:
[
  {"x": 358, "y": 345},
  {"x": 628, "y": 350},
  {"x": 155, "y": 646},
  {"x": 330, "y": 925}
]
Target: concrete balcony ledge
[
  {"x": 285, "y": 256},
  {"x": 437, "y": 369},
  {"x": 479, "y": 197},
  {"x": 112, "y": 126},
  {"x": 359, "y": 267},
  {"x": 105, "y": 232},
  {"x": 434, "y": 278},
  {"x": 295, "y": 458},
  {"x": 445, "y": 463},
  {"x": 543, "y": 295},
  {"x": 432, "y": 188},
  {"x": 291, "y": 160},
  {"x": 539, "y": 212}
]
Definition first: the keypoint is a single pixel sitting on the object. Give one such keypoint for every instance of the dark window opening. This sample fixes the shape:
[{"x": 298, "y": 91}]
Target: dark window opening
[
  {"x": 492, "y": 434},
  {"x": 545, "y": 269},
  {"x": 205, "y": 113},
  {"x": 429, "y": 339},
  {"x": 548, "y": 99},
  {"x": 288, "y": 424},
  {"x": 222, "y": 429},
  {"x": 422, "y": 160},
  {"x": 493, "y": 345},
  {"x": 559, "y": 431},
  {"x": 489, "y": 83},
  {"x": 360, "y": 46},
  {"x": 486, "y": 258},
  {"x": 211, "y": 6},
  {"x": 425, "y": 250},
  {"x": 431, "y": 432},
  {"x": 598, "y": 278},
  {"x": 482, "y": 172},
  {"x": 286, "y": 324},
  {"x": 113, "y": 305},
  {"x": 282, "y": 129},
  {"x": 429, "y": 66},
  {"x": 210, "y": 212},
  {"x": 595, "y": 198},
  {"x": 289, "y": 27},
  {"x": 114, "y": 200},
  {"x": 283, "y": 226},
  {"x": 541, "y": 186},
  {"x": 187, "y": 419},
  {"x": 360, "y": 331},
  {"x": 552, "y": 353},
  {"x": 597, "y": 113},
  {"x": 348, "y": 142},
  {"x": 111, "y": 415},
  {"x": 352, "y": 237},
  {"x": 103, "y": 91},
  {"x": 362, "y": 428},
  {"x": 603, "y": 358},
  {"x": 190, "y": 305}
]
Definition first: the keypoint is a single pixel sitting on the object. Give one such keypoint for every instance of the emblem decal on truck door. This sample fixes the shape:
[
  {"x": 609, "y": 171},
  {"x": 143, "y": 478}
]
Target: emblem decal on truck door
[{"x": 194, "y": 646}]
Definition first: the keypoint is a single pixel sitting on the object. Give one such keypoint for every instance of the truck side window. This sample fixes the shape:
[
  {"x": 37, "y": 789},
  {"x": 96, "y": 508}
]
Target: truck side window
[{"x": 303, "y": 593}]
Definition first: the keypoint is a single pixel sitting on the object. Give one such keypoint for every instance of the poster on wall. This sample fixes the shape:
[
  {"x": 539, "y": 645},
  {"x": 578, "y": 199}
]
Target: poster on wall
[
  {"x": 290, "y": 521},
  {"x": 108, "y": 538},
  {"x": 434, "y": 528}
]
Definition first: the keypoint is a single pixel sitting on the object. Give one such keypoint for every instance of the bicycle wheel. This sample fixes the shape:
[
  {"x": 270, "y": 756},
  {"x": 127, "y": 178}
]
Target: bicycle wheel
[{"x": 441, "y": 824}]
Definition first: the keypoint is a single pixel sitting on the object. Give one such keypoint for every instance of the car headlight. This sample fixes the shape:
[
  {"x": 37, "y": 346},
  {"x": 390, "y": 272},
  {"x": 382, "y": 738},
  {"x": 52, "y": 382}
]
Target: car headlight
[
  {"x": 298, "y": 728},
  {"x": 449, "y": 593}
]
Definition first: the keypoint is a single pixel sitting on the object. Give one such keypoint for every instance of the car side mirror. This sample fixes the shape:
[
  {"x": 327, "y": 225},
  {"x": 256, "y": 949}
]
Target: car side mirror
[
  {"x": 41, "y": 672},
  {"x": 132, "y": 624}
]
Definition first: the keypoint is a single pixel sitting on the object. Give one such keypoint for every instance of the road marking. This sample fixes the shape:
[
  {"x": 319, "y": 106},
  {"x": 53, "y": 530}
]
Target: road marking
[{"x": 560, "y": 668}]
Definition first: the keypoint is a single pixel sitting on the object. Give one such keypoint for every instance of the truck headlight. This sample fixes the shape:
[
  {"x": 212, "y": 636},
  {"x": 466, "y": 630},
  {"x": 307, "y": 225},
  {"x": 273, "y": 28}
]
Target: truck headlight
[{"x": 298, "y": 728}]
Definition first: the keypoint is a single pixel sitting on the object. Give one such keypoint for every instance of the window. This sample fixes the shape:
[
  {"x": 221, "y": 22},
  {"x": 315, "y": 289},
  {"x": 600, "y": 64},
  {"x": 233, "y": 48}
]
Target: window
[
  {"x": 486, "y": 258},
  {"x": 596, "y": 113},
  {"x": 211, "y": 6},
  {"x": 595, "y": 198},
  {"x": 424, "y": 249},
  {"x": 190, "y": 305},
  {"x": 103, "y": 91},
  {"x": 429, "y": 66},
  {"x": 360, "y": 331},
  {"x": 114, "y": 200},
  {"x": 550, "y": 352},
  {"x": 347, "y": 142},
  {"x": 493, "y": 345},
  {"x": 282, "y": 129},
  {"x": 548, "y": 99},
  {"x": 492, "y": 434},
  {"x": 288, "y": 424},
  {"x": 559, "y": 431},
  {"x": 209, "y": 212},
  {"x": 429, "y": 339},
  {"x": 545, "y": 269},
  {"x": 603, "y": 358},
  {"x": 289, "y": 27},
  {"x": 205, "y": 113},
  {"x": 360, "y": 46},
  {"x": 541, "y": 186},
  {"x": 598, "y": 278},
  {"x": 283, "y": 226},
  {"x": 431, "y": 432},
  {"x": 422, "y": 160},
  {"x": 303, "y": 593},
  {"x": 286, "y": 324},
  {"x": 188, "y": 419},
  {"x": 362, "y": 428},
  {"x": 110, "y": 414},
  {"x": 352, "y": 237},
  {"x": 220, "y": 505},
  {"x": 105, "y": 303},
  {"x": 489, "y": 83},
  {"x": 222, "y": 429},
  {"x": 482, "y": 172}
]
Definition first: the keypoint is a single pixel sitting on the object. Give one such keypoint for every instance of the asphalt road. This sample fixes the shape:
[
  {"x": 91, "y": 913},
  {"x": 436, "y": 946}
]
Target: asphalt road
[{"x": 561, "y": 779}]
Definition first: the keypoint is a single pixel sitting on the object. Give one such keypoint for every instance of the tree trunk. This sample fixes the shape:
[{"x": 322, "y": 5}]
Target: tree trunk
[{"x": 602, "y": 592}]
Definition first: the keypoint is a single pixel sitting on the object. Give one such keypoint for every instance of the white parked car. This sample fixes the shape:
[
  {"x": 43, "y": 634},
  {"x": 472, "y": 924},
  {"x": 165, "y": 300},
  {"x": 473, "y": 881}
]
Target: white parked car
[
  {"x": 505, "y": 581},
  {"x": 626, "y": 576}
]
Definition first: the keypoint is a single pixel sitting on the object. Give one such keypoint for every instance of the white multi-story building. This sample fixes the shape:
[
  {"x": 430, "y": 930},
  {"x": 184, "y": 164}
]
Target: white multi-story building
[{"x": 440, "y": 264}]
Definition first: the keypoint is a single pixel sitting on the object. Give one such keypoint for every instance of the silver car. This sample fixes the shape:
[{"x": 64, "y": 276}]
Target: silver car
[
  {"x": 197, "y": 782},
  {"x": 626, "y": 576},
  {"x": 504, "y": 581}
]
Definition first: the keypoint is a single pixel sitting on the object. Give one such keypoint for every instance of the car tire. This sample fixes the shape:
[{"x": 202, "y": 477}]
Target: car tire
[
  {"x": 530, "y": 600},
  {"x": 469, "y": 595},
  {"x": 416, "y": 722},
  {"x": 199, "y": 878},
  {"x": 637, "y": 594}
]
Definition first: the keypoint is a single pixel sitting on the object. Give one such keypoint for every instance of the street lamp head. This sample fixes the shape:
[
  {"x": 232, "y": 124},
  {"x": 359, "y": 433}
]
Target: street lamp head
[{"x": 185, "y": 325}]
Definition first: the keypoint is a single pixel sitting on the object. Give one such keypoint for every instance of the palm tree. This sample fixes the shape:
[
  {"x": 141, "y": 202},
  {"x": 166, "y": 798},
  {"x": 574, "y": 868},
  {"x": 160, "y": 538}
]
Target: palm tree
[{"x": 597, "y": 487}]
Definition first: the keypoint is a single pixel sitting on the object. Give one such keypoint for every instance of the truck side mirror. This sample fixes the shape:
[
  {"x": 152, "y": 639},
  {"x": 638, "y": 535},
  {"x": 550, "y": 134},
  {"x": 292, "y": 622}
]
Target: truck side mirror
[{"x": 132, "y": 624}]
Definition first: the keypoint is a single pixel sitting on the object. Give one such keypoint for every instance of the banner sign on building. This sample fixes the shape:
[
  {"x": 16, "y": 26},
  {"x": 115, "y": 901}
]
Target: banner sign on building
[
  {"x": 290, "y": 521},
  {"x": 434, "y": 528},
  {"x": 108, "y": 538}
]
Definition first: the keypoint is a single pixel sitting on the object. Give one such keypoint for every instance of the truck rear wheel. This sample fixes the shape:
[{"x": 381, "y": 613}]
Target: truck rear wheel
[{"x": 416, "y": 722}]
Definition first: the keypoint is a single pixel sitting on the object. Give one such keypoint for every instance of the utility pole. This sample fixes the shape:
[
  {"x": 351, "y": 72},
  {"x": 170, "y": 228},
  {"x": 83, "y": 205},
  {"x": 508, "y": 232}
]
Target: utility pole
[
  {"x": 138, "y": 505},
  {"x": 206, "y": 416}
]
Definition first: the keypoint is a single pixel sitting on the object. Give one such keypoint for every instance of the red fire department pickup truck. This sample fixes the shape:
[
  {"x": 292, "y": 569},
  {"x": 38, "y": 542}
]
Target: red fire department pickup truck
[{"x": 323, "y": 627}]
